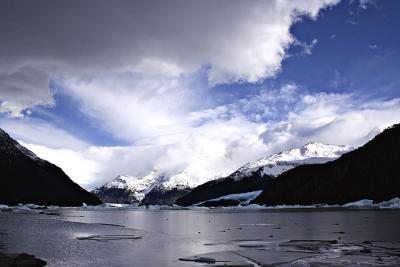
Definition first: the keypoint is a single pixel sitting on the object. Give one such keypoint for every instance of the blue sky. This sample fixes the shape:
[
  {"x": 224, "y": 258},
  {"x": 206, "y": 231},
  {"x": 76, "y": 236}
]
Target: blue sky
[
  {"x": 228, "y": 82},
  {"x": 356, "y": 52}
]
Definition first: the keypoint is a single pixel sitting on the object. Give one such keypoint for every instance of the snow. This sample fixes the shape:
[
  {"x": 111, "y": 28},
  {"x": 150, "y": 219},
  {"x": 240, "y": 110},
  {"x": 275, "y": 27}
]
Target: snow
[
  {"x": 114, "y": 206},
  {"x": 4, "y": 207},
  {"x": 138, "y": 186},
  {"x": 244, "y": 198},
  {"x": 369, "y": 204},
  {"x": 276, "y": 164},
  {"x": 359, "y": 204},
  {"x": 391, "y": 204}
]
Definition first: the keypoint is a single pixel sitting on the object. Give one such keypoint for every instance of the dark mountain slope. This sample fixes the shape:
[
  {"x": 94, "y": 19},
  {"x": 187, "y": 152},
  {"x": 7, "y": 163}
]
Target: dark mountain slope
[
  {"x": 371, "y": 171},
  {"x": 159, "y": 196},
  {"x": 25, "y": 178},
  {"x": 225, "y": 186}
]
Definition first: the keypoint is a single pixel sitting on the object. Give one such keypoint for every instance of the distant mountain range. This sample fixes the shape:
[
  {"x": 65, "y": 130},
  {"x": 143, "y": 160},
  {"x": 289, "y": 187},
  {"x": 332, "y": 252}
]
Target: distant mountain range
[
  {"x": 158, "y": 188},
  {"x": 257, "y": 175},
  {"x": 153, "y": 188},
  {"x": 312, "y": 174},
  {"x": 369, "y": 172},
  {"x": 25, "y": 178}
]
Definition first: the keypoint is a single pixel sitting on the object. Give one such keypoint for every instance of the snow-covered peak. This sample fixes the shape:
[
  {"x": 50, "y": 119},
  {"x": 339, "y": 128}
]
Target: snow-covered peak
[
  {"x": 310, "y": 150},
  {"x": 138, "y": 186},
  {"x": 188, "y": 179},
  {"x": 276, "y": 164},
  {"x": 130, "y": 182},
  {"x": 121, "y": 181}
]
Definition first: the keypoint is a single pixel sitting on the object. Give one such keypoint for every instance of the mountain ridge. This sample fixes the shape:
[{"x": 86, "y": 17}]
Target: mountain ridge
[
  {"x": 258, "y": 174},
  {"x": 26, "y": 178},
  {"x": 158, "y": 188},
  {"x": 369, "y": 172}
]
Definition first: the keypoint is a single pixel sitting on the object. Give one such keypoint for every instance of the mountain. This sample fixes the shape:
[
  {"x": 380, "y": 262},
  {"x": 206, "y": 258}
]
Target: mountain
[
  {"x": 369, "y": 172},
  {"x": 25, "y": 178},
  {"x": 258, "y": 174},
  {"x": 156, "y": 188},
  {"x": 126, "y": 189}
]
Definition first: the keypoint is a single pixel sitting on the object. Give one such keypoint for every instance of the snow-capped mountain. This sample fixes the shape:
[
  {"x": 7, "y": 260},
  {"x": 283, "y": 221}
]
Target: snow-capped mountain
[
  {"x": 256, "y": 175},
  {"x": 155, "y": 188},
  {"x": 126, "y": 189},
  {"x": 165, "y": 188},
  {"x": 276, "y": 164},
  {"x": 369, "y": 172}
]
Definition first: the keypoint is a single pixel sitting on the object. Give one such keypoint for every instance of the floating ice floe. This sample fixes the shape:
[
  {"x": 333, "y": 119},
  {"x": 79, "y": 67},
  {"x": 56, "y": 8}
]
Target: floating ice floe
[
  {"x": 105, "y": 238},
  {"x": 391, "y": 204},
  {"x": 369, "y": 204},
  {"x": 363, "y": 203},
  {"x": 360, "y": 204},
  {"x": 4, "y": 207},
  {"x": 303, "y": 253},
  {"x": 108, "y": 206},
  {"x": 115, "y": 206},
  {"x": 244, "y": 198}
]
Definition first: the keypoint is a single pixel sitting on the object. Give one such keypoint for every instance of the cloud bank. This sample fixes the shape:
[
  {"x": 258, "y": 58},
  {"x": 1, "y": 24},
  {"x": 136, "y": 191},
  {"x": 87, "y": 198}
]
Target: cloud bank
[
  {"x": 217, "y": 141},
  {"x": 234, "y": 40}
]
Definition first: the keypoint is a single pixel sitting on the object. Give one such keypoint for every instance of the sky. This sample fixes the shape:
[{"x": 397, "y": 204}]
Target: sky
[{"x": 103, "y": 88}]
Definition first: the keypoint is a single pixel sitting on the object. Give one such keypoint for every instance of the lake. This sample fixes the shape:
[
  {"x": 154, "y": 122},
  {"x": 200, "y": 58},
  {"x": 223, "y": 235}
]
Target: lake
[{"x": 157, "y": 237}]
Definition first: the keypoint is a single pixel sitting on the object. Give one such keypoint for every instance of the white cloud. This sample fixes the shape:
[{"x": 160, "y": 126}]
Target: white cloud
[
  {"x": 210, "y": 151},
  {"x": 134, "y": 107},
  {"x": 235, "y": 40},
  {"x": 215, "y": 142},
  {"x": 307, "y": 48},
  {"x": 40, "y": 133},
  {"x": 333, "y": 118},
  {"x": 365, "y": 3}
]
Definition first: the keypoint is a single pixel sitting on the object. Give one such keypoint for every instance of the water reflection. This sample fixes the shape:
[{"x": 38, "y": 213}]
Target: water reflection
[{"x": 171, "y": 234}]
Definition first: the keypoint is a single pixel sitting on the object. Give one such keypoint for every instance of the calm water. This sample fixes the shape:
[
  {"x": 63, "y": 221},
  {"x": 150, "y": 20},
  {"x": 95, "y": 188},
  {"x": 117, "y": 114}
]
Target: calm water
[{"x": 170, "y": 234}]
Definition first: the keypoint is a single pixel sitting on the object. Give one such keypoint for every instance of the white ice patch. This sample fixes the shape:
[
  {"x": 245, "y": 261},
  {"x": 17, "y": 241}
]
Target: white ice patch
[
  {"x": 244, "y": 198},
  {"x": 369, "y": 204},
  {"x": 391, "y": 204},
  {"x": 363, "y": 203},
  {"x": 4, "y": 207}
]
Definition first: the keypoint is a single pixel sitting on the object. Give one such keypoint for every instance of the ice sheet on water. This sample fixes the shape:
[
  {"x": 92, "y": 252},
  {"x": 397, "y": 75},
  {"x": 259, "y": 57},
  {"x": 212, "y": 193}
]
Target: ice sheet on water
[
  {"x": 244, "y": 198},
  {"x": 363, "y": 203},
  {"x": 360, "y": 204},
  {"x": 368, "y": 203},
  {"x": 108, "y": 206},
  {"x": 4, "y": 207},
  {"x": 114, "y": 206},
  {"x": 391, "y": 204}
]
